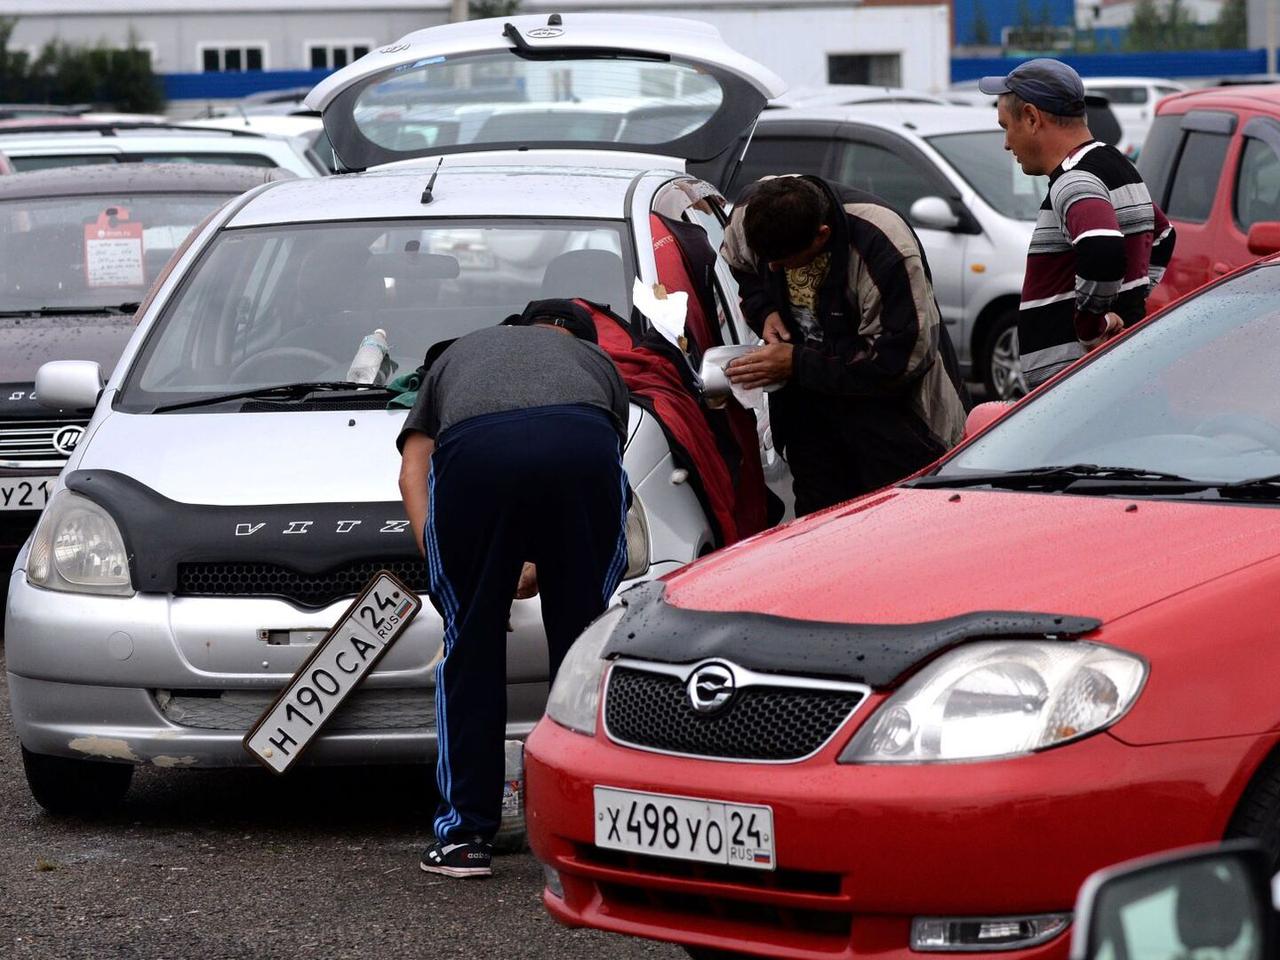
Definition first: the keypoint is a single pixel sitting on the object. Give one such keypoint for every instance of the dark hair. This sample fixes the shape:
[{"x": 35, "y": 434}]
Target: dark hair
[
  {"x": 1014, "y": 104},
  {"x": 783, "y": 217}
]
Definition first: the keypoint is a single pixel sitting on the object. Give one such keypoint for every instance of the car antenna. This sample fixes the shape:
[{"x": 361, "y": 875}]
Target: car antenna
[{"x": 426, "y": 194}]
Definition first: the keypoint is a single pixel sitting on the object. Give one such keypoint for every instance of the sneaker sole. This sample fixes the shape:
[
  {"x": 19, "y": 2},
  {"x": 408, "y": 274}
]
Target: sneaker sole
[{"x": 457, "y": 871}]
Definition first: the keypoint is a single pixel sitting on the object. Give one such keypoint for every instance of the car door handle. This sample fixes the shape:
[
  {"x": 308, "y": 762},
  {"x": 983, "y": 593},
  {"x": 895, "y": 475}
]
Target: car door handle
[{"x": 1220, "y": 268}]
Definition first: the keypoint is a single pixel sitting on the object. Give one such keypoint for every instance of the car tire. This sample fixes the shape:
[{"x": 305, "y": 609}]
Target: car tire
[
  {"x": 1257, "y": 816},
  {"x": 76, "y": 788},
  {"x": 1001, "y": 367}
]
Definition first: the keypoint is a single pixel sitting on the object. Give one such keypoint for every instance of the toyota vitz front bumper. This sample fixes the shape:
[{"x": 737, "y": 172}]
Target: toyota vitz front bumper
[{"x": 863, "y": 849}]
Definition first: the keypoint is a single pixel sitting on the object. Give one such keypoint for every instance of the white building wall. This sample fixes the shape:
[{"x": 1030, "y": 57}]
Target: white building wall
[{"x": 793, "y": 37}]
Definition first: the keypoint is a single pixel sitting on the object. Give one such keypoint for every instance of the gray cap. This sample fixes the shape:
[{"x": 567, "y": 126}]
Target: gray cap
[{"x": 1048, "y": 84}]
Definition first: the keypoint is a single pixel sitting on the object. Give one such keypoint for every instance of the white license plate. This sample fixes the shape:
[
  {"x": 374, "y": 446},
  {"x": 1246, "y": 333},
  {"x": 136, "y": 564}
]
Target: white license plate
[
  {"x": 685, "y": 828},
  {"x": 339, "y": 662},
  {"x": 26, "y": 493}
]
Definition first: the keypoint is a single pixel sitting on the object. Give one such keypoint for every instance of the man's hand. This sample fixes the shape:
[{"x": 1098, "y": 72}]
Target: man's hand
[
  {"x": 774, "y": 330},
  {"x": 771, "y": 364},
  {"x": 528, "y": 585}
]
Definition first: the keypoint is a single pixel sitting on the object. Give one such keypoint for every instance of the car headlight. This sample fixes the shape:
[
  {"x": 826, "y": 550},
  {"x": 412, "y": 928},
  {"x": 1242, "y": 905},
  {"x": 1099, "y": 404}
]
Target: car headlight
[
  {"x": 575, "y": 695},
  {"x": 637, "y": 540},
  {"x": 987, "y": 700},
  {"x": 77, "y": 548}
]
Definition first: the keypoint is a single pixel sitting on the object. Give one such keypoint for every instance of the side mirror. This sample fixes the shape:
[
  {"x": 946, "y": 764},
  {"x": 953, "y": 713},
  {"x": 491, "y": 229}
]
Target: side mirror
[
  {"x": 1264, "y": 238},
  {"x": 985, "y": 414},
  {"x": 69, "y": 384},
  {"x": 933, "y": 213},
  {"x": 715, "y": 385},
  {"x": 1215, "y": 898}
]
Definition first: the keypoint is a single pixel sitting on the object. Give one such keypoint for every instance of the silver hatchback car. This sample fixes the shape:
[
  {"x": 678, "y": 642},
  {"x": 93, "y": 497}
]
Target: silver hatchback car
[{"x": 232, "y": 493}]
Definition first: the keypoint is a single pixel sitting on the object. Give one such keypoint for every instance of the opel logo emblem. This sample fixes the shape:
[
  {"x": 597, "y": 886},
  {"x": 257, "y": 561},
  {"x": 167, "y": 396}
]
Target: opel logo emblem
[
  {"x": 711, "y": 687},
  {"x": 66, "y": 438},
  {"x": 545, "y": 33}
]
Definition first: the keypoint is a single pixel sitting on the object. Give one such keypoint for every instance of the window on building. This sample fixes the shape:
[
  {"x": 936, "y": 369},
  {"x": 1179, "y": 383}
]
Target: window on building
[
  {"x": 876, "y": 69},
  {"x": 1195, "y": 181},
  {"x": 331, "y": 56},
  {"x": 232, "y": 58}
]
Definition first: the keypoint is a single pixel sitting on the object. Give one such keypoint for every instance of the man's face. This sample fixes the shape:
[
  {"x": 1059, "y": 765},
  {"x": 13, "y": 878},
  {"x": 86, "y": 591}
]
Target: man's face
[
  {"x": 1020, "y": 129},
  {"x": 805, "y": 256}
]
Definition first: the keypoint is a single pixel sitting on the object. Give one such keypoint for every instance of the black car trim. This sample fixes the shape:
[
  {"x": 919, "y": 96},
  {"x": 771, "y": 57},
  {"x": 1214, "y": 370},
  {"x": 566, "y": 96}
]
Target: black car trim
[{"x": 873, "y": 653}]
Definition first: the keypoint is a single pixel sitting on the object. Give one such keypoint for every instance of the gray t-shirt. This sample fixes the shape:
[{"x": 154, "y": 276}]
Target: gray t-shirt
[{"x": 499, "y": 369}]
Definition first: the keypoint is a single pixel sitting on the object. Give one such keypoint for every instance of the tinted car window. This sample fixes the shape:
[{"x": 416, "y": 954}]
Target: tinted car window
[
  {"x": 1155, "y": 163},
  {"x": 23, "y": 164},
  {"x": 1195, "y": 182},
  {"x": 894, "y": 178},
  {"x": 1257, "y": 185},
  {"x": 228, "y": 159},
  {"x": 991, "y": 170},
  {"x": 768, "y": 156}
]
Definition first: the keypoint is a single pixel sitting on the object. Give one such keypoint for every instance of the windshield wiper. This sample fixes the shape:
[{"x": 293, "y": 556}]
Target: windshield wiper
[
  {"x": 1099, "y": 478},
  {"x": 117, "y": 310},
  {"x": 1259, "y": 487},
  {"x": 285, "y": 391}
]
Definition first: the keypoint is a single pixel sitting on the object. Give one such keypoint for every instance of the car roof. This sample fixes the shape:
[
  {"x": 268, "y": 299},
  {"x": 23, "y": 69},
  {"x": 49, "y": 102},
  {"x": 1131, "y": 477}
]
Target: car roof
[
  {"x": 460, "y": 191},
  {"x": 1136, "y": 81},
  {"x": 137, "y": 178},
  {"x": 921, "y": 119},
  {"x": 140, "y": 136},
  {"x": 1259, "y": 97}
]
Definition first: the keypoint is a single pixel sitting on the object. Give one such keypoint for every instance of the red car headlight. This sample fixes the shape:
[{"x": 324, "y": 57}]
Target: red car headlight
[{"x": 1000, "y": 699}]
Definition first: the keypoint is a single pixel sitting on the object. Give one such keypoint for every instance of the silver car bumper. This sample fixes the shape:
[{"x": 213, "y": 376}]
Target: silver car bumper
[{"x": 178, "y": 681}]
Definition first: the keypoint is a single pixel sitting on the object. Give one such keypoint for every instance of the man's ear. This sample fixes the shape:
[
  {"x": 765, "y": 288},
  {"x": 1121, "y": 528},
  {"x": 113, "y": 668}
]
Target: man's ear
[
  {"x": 1033, "y": 117},
  {"x": 824, "y": 234}
]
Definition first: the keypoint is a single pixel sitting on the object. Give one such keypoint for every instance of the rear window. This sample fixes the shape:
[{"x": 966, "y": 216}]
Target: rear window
[
  {"x": 23, "y": 164},
  {"x": 227, "y": 159},
  {"x": 1195, "y": 181}
]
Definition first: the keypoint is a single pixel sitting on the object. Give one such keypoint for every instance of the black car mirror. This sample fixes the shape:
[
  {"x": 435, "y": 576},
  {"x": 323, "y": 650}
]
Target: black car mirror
[{"x": 1177, "y": 905}]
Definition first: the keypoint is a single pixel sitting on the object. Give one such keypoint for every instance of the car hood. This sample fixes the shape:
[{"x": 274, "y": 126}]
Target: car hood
[
  {"x": 907, "y": 555},
  {"x": 28, "y": 342},
  {"x": 238, "y": 458}
]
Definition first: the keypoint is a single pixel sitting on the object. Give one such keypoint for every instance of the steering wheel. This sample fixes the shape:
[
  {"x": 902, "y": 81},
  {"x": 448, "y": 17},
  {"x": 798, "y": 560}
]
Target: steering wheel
[
  {"x": 300, "y": 363},
  {"x": 1242, "y": 424}
]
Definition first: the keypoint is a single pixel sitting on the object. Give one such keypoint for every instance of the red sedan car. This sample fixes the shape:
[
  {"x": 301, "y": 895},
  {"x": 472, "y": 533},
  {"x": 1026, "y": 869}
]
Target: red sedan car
[{"x": 915, "y": 723}]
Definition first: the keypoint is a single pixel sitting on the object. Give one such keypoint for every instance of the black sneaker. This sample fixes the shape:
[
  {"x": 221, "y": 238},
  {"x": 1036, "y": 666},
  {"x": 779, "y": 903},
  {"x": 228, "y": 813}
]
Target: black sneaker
[{"x": 473, "y": 859}]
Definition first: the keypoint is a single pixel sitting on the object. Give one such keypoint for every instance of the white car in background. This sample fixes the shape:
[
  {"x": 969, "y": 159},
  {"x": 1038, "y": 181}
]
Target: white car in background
[
  {"x": 299, "y": 127},
  {"x": 233, "y": 492},
  {"x": 1133, "y": 100},
  {"x": 945, "y": 169},
  {"x": 114, "y": 142}
]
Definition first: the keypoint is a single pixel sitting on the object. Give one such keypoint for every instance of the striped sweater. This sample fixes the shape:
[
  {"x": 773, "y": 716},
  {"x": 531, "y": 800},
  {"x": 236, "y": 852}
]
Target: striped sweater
[{"x": 1100, "y": 245}]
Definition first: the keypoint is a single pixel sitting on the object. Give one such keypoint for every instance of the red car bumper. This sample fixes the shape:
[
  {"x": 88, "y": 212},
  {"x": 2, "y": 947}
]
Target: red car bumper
[{"x": 862, "y": 850}]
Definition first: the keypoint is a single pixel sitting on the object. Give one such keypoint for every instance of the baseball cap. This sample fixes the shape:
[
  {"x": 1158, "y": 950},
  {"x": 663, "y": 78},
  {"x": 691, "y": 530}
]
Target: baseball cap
[
  {"x": 557, "y": 313},
  {"x": 1048, "y": 84}
]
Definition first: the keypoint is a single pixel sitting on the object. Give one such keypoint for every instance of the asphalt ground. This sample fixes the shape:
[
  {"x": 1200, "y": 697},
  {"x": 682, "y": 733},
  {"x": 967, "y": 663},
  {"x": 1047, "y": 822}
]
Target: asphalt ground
[{"x": 239, "y": 863}]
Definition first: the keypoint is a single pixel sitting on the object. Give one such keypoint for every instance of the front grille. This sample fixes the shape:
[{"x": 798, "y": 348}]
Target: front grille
[
  {"x": 789, "y": 881},
  {"x": 31, "y": 441},
  {"x": 819, "y": 928},
  {"x": 760, "y": 722},
  {"x": 303, "y": 589},
  {"x": 239, "y": 709}
]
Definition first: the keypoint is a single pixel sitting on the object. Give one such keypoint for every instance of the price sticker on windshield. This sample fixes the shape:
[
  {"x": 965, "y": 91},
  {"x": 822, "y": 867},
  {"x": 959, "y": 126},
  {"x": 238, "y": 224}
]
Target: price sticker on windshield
[
  {"x": 113, "y": 251},
  {"x": 346, "y": 655}
]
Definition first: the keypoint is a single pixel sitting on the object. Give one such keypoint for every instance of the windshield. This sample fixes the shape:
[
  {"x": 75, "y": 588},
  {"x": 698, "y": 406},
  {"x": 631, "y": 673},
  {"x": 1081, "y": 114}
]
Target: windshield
[
  {"x": 286, "y": 304},
  {"x": 93, "y": 252},
  {"x": 1194, "y": 395},
  {"x": 982, "y": 160}
]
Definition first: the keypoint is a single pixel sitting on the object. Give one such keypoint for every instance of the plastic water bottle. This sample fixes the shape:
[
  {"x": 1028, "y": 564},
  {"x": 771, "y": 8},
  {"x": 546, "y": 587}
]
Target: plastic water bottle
[
  {"x": 511, "y": 830},
  {"x": 372, "y": 361}
]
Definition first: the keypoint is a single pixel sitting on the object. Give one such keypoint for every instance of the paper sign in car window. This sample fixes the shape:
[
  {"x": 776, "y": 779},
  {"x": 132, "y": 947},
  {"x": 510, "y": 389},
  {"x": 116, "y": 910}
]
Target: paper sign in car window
[{"x": 113, "y": 251}]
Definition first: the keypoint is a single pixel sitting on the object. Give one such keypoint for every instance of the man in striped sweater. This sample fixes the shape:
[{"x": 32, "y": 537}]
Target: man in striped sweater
[{"x": 1100, "y": 243}]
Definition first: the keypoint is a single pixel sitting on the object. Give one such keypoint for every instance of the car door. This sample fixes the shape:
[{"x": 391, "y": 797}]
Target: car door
[
  {"x": 893, "y": 169},
  {"x": 1255, "y": 195},
  {"x": 1185, "y": 166}
]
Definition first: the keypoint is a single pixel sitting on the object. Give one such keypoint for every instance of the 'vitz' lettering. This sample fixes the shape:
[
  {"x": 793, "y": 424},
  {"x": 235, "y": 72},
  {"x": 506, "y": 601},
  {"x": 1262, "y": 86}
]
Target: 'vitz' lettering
[
  {"x": 297, "y": 526},
  {"x": 248, "y": 529},
  {"x": 300, "y": 527},
  {"x": 346, "y": 526},
  {"x": 395, "y": 526}
]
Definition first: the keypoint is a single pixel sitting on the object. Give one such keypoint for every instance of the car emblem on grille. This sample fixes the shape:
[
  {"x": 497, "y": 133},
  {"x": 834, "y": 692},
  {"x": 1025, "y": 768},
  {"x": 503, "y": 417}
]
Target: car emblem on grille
[
  {"x": 66, "y": 438},
  {"x": 711, "y": 687}
]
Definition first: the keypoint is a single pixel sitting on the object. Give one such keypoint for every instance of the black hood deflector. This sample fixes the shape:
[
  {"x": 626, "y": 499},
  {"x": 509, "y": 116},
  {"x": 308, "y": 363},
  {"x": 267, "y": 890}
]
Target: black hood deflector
[
  {"x": 160, "y": 533},
  {"x": 872, "y": 653}
]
